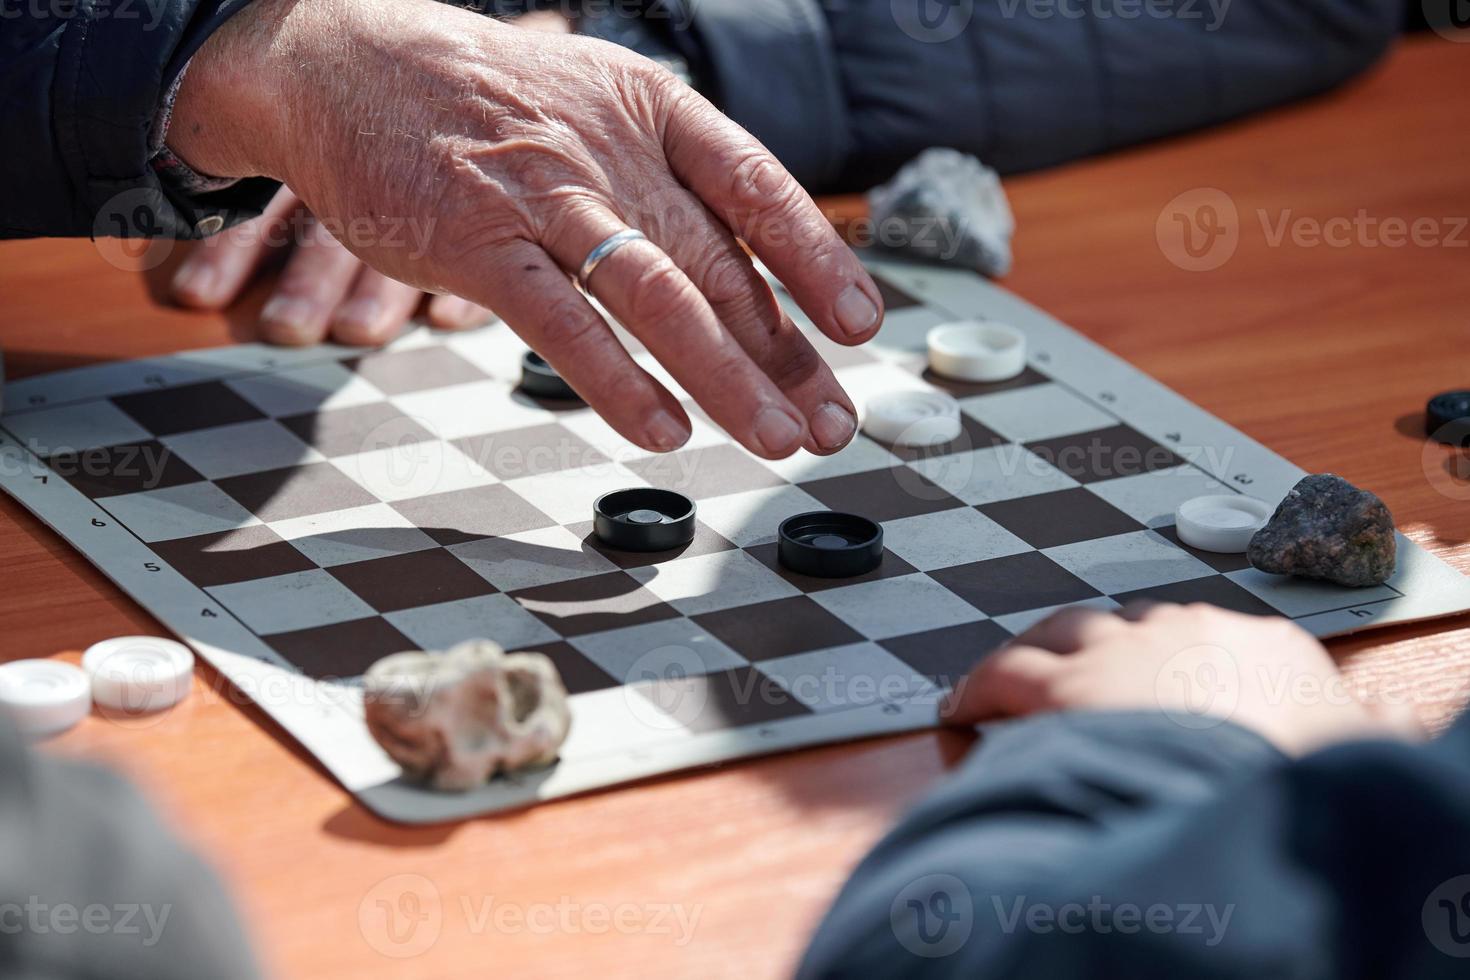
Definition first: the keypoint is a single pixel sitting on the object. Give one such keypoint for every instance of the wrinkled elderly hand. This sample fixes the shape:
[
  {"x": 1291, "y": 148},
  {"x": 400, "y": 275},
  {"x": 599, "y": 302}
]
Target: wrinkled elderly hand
[
  {"x": 523, "y": 151},
  {"x": 1198, "y": 664}
]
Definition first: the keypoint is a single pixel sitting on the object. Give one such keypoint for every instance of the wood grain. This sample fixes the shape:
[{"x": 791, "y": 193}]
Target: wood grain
[{"x": 1325, "y": 354}]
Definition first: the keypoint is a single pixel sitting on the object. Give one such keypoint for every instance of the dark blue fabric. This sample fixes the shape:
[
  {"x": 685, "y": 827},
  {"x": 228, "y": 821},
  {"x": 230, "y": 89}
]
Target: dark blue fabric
[
  {"x": 81, "y": 83},
  {"x": 1334, "y": 866},
  {"x": 1012, "y": 83}
]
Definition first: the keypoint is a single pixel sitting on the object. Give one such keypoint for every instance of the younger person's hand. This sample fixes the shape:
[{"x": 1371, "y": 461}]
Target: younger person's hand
[{"x": 1198, "y": 663}]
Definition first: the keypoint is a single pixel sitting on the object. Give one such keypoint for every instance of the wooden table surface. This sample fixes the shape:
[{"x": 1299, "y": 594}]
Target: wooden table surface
[{"x": 1325, "y": 352}]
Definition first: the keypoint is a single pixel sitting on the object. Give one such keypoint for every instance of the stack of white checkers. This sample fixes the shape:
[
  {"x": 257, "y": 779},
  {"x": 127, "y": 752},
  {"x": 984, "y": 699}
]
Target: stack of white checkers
[
  {"x": 967, "y": 350},
  {"x": 128, "y": 674}
]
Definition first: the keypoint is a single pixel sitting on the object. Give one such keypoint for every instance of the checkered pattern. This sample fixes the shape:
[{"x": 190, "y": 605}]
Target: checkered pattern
[{"x": 412, "y": 498}]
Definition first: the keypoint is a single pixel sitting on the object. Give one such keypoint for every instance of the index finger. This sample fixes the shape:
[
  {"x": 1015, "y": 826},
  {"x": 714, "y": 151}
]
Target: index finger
[{"x": 763, "y": 205}]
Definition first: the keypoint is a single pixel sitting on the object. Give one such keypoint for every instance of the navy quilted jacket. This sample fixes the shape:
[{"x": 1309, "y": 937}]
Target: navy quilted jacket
[{"x": 843, "y": 91}]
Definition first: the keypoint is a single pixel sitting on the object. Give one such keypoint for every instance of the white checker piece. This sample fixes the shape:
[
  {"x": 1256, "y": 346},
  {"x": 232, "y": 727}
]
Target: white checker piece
[{"x": 1151, "y": 498}]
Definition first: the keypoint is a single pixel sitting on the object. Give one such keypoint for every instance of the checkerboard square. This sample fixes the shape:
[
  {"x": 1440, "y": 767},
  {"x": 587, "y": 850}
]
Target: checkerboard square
[
  {"x": 893, "y": 297},
  {"x": 178, "y": 512},
  {"x": 1127, "y": 562},
  {"x": 340, "y": 649},
  {"x": 198, "y": 406},
  {"x": 472, "y": 408},
  {"x": 752, "y": 517},
  {"x": 1219, "y": 561},
  {"x": 846, "y": 677},
  {"x": 465, "y": 515},
  {"x": 231, "y": 556},
  {"x": 888, "y": 607},
  {"x": 666, "y": 648},
  {"x": 1217, "y": 590},
  {"x": 973, "y": 389},
  {"x": 567, "y": 496},
  {"x": 400, "y": 371},
  {"x": 1019, "y": 622},
  {"x": 946, "y": 656},
  {"x": 1047, "y": 520},
  {"x": 837, "y": 356},
  {"x": 704, "y": 473},
  {"x": 1105, "y": 454},
  {"x": 904, "y": 333},
  {"x": 305, "y": 389},
  {"x": 245, "y": 447},
  {"x": 985, "y": 476},
  {"x": 417, "y": 469},
  {"x": 420, "y": 578},
  {"x": 444, "y": 624},
  {"x": 950, "y": 537},
  {"x": 716, "y": 581},
  {"x": 296, "y": 491},
  {"x": 715, "y": 702},
  {"x": 357, "y": 429},
  {"x": 706, "y": 542},
  {"x": 531, "y": 451},
  {"x": 495, "y": 349},
  {"x": 291, "y": 602},
  {"x": 72, "y": 428},
  {"x": 891, "y": 566},
  {"x": 1297, "y": 597},
  {"x": 858, "y": 456},
  {"x": 1015, "y": 583},
  {"x": 1151, "y": 498},
  {"x": 129, "y": 468},
  {"x": 529, "y": 558},
  {"x": 1036, "y": 411},
  {"x": 778, "y": 628},
  {"x": 578, "y": 674},
  {"x": 593, "y": 603},
  {"x": 881, "y": 495}
]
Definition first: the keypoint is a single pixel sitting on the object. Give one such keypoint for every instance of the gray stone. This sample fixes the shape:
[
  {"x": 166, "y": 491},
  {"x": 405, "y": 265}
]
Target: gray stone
[
  {"x": 454, "y": 720},
  {"x": 946, "y": 206},
  {"x": 1327, "y": 529}
]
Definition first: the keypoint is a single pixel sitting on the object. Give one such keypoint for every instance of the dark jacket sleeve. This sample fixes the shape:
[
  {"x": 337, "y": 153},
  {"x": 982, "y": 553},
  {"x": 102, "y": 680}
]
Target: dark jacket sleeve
[
  {"x": 845, "y": 93},
  {"x": 1122, "y": 845},
  {"x": 81, "y": 83}
]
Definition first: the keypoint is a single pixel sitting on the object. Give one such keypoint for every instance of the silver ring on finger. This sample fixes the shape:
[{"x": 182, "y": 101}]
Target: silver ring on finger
[{"x": 606, "y": 247}]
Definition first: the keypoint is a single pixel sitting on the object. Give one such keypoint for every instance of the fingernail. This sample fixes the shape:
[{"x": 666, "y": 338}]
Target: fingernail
[
  {"x": 195, "y": 281},
  {"x": 664, "y": 432},
  {"x": 776, "y": 431},
  {"x": 856, "y": 313},
  {"x": 288, "y": 317},
  {"x": 360, "y": 314},
  {"x": 832, "y": 426}
]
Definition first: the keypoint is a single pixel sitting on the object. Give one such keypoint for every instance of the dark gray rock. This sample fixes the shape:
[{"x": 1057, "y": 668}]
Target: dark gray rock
[{"x": 1327, "y": 529}]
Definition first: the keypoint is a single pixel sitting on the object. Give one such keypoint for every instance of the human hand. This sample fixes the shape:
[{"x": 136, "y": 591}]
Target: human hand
[
  {"x": 323, "y": 289},
  {"x": 526, "y": 150},
  {"x": 1197, "y": 663}
]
